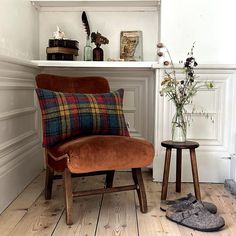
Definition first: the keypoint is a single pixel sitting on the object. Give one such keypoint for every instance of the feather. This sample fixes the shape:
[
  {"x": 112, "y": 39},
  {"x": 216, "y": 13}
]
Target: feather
[{"x": 86, "y": 24}]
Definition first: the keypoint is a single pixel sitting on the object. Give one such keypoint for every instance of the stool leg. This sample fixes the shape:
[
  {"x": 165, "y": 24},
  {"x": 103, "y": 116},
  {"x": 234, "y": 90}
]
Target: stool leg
[
  {"x": 166, "y": 174},
  {"x": 195, "y": 174},
  {"x": 178, "y": 170}
]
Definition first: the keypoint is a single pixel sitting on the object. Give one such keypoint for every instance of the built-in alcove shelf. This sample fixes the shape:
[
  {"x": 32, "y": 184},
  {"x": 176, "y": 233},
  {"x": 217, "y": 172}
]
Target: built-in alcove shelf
[
  {"x": 124, "y": 64},
  {"x": 96, "y": 64},
  {"x": 98, "y": 5}
]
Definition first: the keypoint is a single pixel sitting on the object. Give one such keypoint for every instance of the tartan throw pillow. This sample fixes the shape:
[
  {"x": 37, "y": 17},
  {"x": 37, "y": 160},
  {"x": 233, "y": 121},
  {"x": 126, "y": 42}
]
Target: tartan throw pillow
[{"x": 65, "y": 115}]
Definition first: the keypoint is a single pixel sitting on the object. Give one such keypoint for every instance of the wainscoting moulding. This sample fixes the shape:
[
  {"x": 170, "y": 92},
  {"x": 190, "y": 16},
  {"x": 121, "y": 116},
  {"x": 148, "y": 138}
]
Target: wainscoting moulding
[{"x": 21, "y": 153}]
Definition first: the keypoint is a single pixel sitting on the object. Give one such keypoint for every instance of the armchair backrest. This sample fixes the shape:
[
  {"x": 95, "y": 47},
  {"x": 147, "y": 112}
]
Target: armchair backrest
[{"x": 91, "y": 84}]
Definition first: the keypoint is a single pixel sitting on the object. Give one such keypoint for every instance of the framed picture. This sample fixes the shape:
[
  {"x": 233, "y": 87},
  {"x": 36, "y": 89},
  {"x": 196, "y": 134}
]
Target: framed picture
[{"x": 131, "y": 45}]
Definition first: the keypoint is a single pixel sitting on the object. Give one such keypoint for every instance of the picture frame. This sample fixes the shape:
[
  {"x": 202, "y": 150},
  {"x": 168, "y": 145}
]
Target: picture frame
[{"x": 131, "y": 45}]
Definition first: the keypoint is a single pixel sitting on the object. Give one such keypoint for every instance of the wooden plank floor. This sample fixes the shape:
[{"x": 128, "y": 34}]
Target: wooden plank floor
[{"x": 114, "y": 214}]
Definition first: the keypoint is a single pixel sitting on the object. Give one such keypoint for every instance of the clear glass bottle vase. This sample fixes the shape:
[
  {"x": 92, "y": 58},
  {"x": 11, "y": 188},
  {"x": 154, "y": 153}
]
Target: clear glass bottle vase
[
  {"x": 88, "y": 52},
  {"x": 179, "y": 126}
]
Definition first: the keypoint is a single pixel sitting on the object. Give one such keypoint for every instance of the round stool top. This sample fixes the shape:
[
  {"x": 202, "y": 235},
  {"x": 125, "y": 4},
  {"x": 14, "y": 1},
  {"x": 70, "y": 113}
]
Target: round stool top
[{"x": 180, "y": 145}]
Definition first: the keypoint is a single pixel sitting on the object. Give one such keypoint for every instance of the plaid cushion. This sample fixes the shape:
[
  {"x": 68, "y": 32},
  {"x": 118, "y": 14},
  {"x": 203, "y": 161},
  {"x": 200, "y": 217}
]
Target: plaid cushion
[{"x": 66, "y": 115}]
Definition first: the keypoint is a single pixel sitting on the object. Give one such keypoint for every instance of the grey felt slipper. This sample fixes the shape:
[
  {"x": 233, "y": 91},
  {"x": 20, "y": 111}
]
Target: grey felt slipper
[
  {"x": 184, "y": 202},
  {"x": 196, "y": 217}
]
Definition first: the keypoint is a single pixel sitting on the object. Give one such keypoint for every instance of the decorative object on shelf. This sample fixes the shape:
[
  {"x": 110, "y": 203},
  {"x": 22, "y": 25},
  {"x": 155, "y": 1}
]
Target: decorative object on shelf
[
  {"x": 58, "y": 34},
  {"x": 131, "y": 45},
  {"x": 65, "y": 43},
  {"x": 88, "y": 51},
  {"x": 181, "y": 91},
  {"x": 60, "y": 53},
  {"x": 98, "y": 39},
  {"x": 72, "y": 51},
  {"x": 87, "y": 48},
  {"x": 61, "y": 48}
]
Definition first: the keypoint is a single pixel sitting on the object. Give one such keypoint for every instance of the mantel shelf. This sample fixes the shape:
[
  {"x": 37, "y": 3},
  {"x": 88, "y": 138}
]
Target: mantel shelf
[
  {"x": 147, "y": 65},
  {"x": 95, "y": 64},
  {"x": 98, "y": 5}
]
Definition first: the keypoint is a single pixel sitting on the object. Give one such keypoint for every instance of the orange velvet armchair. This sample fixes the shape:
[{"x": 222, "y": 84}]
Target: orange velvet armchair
[{"x": 94, "y": 154}]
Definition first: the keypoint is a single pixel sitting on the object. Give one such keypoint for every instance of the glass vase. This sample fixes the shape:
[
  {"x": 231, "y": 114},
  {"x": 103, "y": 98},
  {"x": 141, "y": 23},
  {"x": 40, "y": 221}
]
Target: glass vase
[
  {"x": 179, "y": 126},
  {"x": 88, "y": 50}
]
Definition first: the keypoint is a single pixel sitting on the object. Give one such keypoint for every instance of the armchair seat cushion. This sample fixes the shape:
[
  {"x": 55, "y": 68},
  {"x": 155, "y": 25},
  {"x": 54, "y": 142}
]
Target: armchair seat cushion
[{"x": 101, "y": 152}]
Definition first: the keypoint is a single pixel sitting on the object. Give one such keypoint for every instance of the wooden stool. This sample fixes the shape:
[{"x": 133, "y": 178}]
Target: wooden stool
[{"x": 179, "y": 146}]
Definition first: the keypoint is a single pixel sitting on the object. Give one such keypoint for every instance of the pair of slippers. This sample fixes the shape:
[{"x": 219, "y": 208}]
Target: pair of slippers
[{"x": 190, "y": 212}]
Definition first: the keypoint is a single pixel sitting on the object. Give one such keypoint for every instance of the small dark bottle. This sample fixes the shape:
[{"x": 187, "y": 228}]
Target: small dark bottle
[{"x": 97, "y": 53}]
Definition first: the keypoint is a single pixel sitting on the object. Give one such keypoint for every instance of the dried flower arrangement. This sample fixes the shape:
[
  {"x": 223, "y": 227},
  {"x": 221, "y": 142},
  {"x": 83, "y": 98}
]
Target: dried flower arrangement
[{"x": 181, "y": 91}]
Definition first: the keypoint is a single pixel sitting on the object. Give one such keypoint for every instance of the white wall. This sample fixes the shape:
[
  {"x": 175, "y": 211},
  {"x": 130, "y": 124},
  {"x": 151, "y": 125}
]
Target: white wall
[
  {"x": 18, "y": 29},
  {"x": 210, "y": 23},
  {"x": 108, "y": 24}
]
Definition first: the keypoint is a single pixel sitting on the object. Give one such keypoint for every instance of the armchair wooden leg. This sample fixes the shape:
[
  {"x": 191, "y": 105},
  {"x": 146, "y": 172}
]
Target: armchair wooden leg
[
  {"x": 48, "y": 183},
  {"x": 109, "y": 178},
  {"x": 138, "y": 180},
  {"x": 68, "y": 196}
]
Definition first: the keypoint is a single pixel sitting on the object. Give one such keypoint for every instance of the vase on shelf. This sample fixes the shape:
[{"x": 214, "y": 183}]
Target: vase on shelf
[
  {"x": 179, "y": 126},
  {"x": 98, "y": 53},
  {"x": 88, "y": 50}
]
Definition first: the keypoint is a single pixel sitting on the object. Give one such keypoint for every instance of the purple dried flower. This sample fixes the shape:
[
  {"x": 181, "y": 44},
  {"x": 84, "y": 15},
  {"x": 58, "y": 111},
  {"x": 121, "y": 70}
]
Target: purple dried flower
[
  {"x": 166, "y": 63},
  {"x": 160, "y": 45},
  {"x": 186, "y": 64}
]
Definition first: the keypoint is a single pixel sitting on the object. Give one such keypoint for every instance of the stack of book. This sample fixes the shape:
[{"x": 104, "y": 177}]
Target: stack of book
[{"x": 62, "y": 49}]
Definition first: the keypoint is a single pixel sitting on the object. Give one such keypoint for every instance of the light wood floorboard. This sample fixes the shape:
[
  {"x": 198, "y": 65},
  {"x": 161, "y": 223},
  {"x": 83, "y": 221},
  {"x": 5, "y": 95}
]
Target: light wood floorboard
[
  {"x": 115, "y": 214},
  {"x": 19, "y": 208},
  {"x": 118, "y": 212}
]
